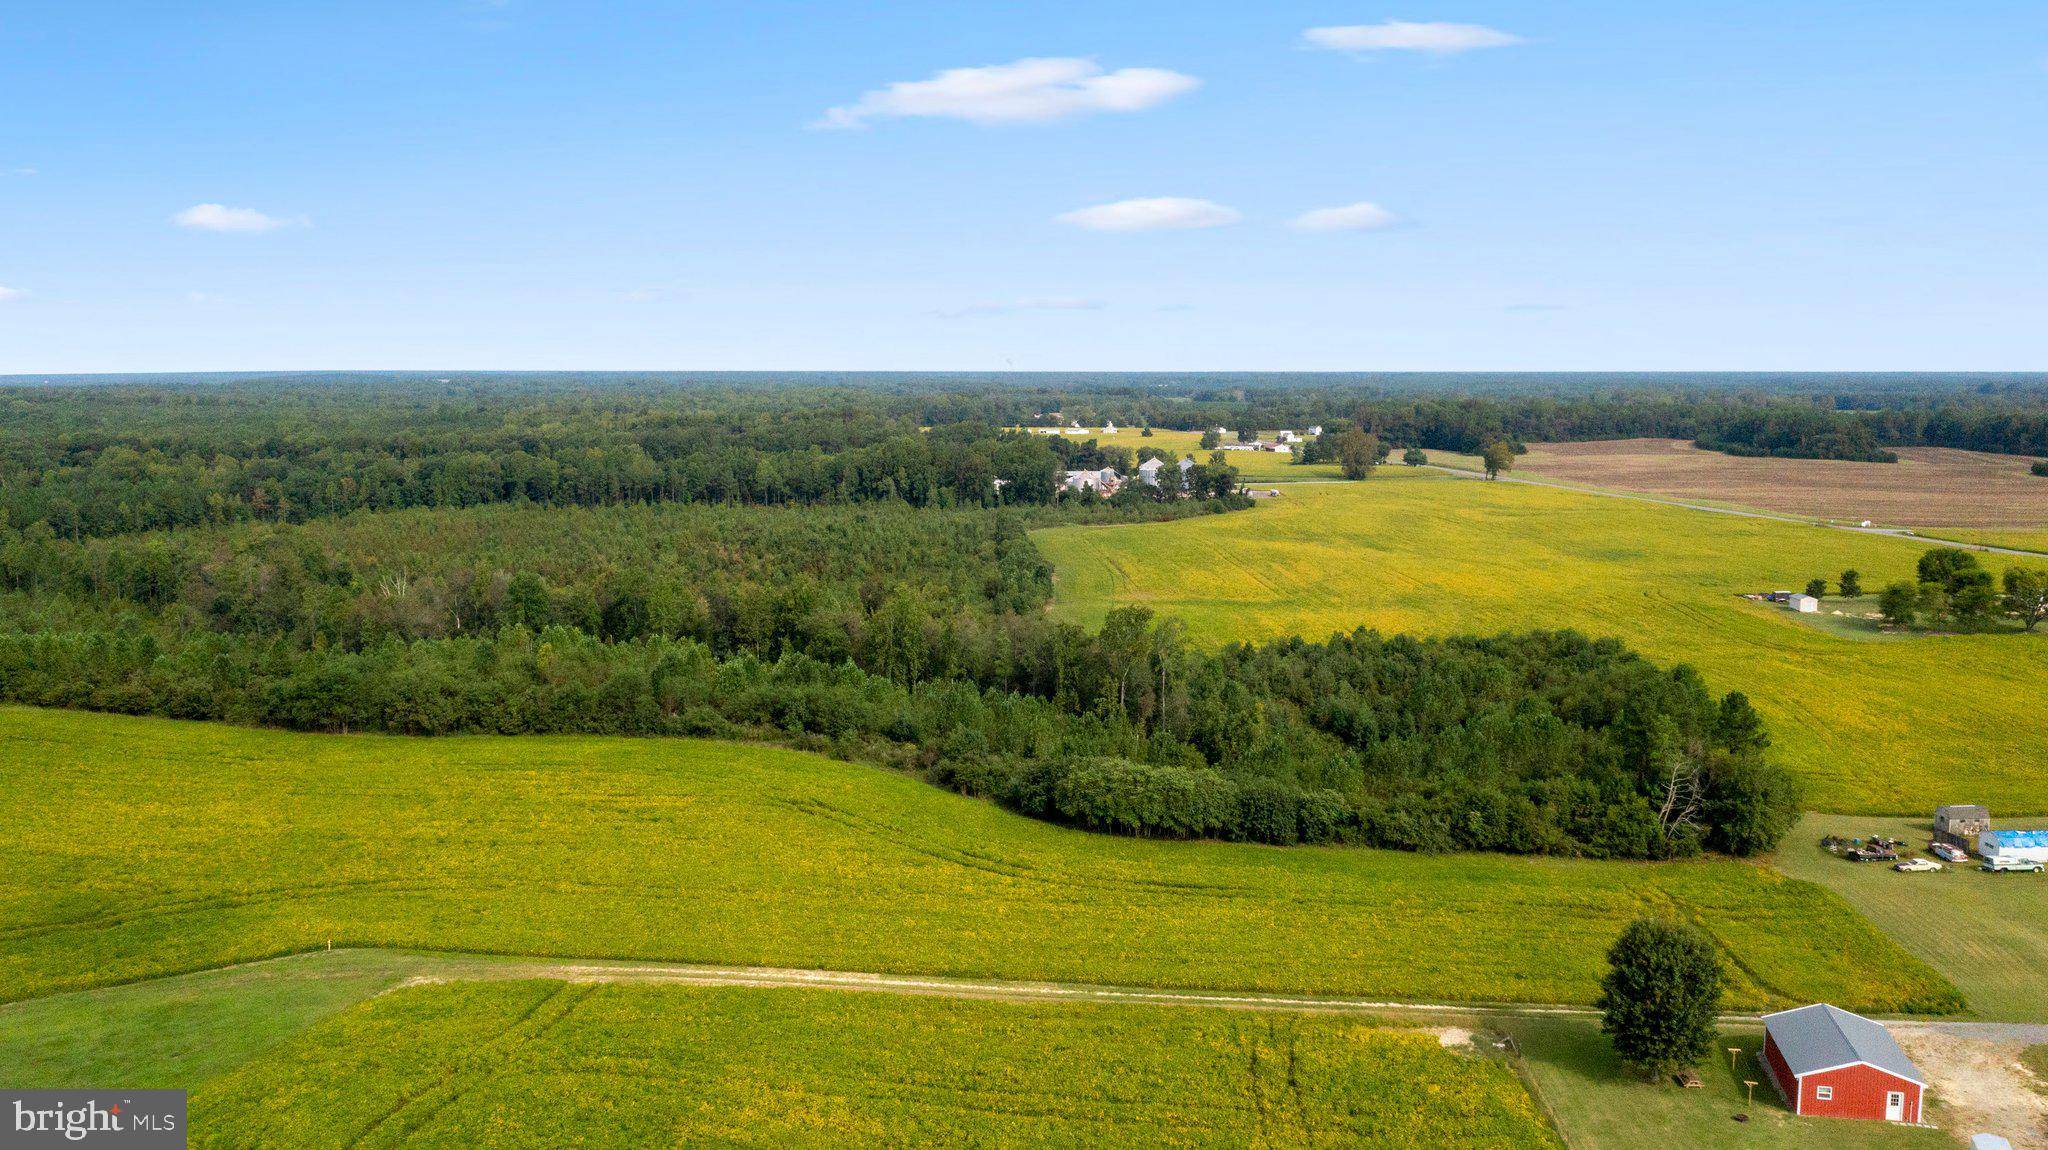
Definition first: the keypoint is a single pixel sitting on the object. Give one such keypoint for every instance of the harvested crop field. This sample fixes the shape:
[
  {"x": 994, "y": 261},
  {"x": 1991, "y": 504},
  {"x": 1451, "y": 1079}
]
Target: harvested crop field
[{"x": 1927, "y": 487}]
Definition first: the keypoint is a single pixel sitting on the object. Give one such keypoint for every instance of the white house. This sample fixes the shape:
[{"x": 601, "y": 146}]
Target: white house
[
  {"x": 1109, "y": 427},
  {"x": 1149, "y": 471},
  {"x": 1316, "y": 430},
  {"x": 1288, "y": 437},
  {"x": 1105, "y": 480},
  {"x": 1804, "y": 604}
]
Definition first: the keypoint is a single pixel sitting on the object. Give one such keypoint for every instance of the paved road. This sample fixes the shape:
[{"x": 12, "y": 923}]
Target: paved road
[{"x": 1895, "y": 532}]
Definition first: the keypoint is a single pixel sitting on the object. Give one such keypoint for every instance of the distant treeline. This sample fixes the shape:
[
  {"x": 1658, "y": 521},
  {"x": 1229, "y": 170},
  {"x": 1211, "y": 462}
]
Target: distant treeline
[
  {"x": 106, "y": 460},
  {"x": 910, "y": 637}
]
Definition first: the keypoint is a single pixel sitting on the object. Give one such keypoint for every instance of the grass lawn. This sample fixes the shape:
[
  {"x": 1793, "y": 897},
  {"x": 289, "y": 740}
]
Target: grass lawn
[
  {"x": 1600, "y": 1105},
  {"x": 1426, "y": 553},
  {"x": 549, "y": 1064},
  {"x": 153, "y": 846},
  {"x": 175, "y": 1033},
  {"x": 1987, "y": 932},
  {"x": 2032, "y": 540}
]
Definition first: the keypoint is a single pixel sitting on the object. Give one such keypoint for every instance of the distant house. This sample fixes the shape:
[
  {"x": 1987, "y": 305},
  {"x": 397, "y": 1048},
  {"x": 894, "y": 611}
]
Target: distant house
[
  {"x": 1253, "y": 446},
  {"x": 1104, "y": 480},
  {"x": 1316, "y": 430},
  {"x": 2028, "y": 846},
  {"x": 1804, "y": 604},
  {"x": 1149, "y": 471},
  {"x": 1830, "y": 1063},
  {"x": 1263, "y": 492},
  {"x": 1958, "y": 822},
  {"x": 1109, "y": 427},
  {"x": 1288, "y": 437}
]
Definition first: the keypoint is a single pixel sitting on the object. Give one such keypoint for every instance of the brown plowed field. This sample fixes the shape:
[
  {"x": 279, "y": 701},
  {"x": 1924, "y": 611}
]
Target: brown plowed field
[{"x": 1927, "y": 487}]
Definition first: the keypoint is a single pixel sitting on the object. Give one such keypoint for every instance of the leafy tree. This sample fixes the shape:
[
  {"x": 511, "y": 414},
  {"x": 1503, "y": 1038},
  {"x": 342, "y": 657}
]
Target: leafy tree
[
  {"x": 1357, "y": 453},
  {"x": 1414, "y": 457},
  {"x": 1975, "y": 601},
  {"x": 1661, "y": 996},
  {"x": 1146, "y": 431},
  {"x": 1852, "y": 583},
  {"x": 1818, "y": 588},
  {"x": 1499, "y": 456},
  {"x": 1210, "y": 440},
  {"x": 526, "y": 601},
  {"x": 1899, "y": 603},
  {"x": 1246, "y": 435},
  {"x": 2026, "y": 595},
  {"x": 1948, "y": 567},
  {"x": 2040, "y": 467}
]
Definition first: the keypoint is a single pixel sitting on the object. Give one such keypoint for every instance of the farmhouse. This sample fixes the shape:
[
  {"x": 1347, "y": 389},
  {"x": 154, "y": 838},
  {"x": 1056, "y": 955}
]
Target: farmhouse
[
  {"x": 1957, "y": 822},
  {"x": 1105, "y": 480},
  {"x": 1830, "y": 1063},
  {"x": 2024, "y": 846},
  {"x": 1804, "y": 604}
]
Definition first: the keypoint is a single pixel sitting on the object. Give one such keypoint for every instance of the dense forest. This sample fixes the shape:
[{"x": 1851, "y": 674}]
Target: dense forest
[
  {"x": 914, "y": 637},
  {"x": 120, "y": 458},
  {"x": 845, "y": 564}
]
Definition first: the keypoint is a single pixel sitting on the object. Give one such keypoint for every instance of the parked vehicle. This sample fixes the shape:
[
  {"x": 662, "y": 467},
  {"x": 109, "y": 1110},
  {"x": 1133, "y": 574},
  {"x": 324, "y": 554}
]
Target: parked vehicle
[
  {"x": 1874, "y": 854},
  {"x": 1950, "y": 852},
  {"x": 1916, "y": 866},
  {"x": 2007, "y": 864}
]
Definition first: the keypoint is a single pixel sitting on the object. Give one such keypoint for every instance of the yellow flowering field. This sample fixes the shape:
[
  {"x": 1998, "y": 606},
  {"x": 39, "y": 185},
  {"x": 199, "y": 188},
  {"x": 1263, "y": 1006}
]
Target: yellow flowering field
[
  {"x": 142, "y": 847},
  {"x": 1875, "y": 724},
  {"x": 551, "y": 1064}
]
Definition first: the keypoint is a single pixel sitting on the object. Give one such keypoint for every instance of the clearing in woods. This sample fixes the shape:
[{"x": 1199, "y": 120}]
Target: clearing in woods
[
  {"x": 236, "y": 844},
  {"x": 1928, "y": 487},
  {"x": 1879, "y": 727}
]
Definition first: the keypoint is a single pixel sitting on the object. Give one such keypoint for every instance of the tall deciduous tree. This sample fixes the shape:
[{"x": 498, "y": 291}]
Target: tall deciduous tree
[
  {"x": 1852, "y": 583},
  {"x": 2026, "y": 595},
  {"x": 1357, "y": 452},
  {"x": 1499, "y": 456},
  {"x": 1661, "y": 995}
]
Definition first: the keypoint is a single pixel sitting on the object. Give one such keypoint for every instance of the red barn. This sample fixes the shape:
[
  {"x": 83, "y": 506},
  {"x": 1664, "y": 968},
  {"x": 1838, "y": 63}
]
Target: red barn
[{"x": 1834, "y": 1064}]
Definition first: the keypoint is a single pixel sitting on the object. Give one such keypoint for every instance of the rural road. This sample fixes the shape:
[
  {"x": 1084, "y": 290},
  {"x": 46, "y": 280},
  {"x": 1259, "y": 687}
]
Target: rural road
[{"x": 1895, "y": 532}]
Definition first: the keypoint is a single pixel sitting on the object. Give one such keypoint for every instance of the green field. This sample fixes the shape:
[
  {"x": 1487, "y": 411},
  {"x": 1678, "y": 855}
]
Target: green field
[
  {"x": 550, "y": 1063},
  {"x": 151, "y": 846},
  {"x": 1987, "y": 932},
  {"x": 1597, "y": 1104},
  {"x": 2024, "y": 540},
  {"x": 1881, "y": 727}
]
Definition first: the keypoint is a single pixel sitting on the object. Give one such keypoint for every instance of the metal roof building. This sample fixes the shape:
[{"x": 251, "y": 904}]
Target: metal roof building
[{"x": 1827, "y": 1061}]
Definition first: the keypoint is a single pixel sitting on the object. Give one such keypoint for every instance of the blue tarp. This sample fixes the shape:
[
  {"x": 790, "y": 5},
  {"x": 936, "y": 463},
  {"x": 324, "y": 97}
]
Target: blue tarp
[{"x": 1991, "y": 842}]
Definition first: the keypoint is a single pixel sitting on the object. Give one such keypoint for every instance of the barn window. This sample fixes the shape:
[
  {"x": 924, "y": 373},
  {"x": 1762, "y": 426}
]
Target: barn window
[{"x": 1823, "y": 1094}]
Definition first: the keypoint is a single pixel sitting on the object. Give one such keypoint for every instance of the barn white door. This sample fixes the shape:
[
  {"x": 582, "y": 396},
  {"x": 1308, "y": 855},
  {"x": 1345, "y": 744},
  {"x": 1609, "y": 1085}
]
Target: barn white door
[{"x": 1895, "y": 1106}]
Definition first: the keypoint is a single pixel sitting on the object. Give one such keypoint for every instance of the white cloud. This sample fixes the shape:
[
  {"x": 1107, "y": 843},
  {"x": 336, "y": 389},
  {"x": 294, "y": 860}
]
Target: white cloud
[
  {"x": 1360, "y": 216},
  {"x": 8, "y": 293},
  {"x": 1032, "y": 303},
  {"x": 221, "y": 218},
  {"x": 25, "y": 170},
  {"x": 1033, "y": 90},
  {"x": 1403, "y": 36},
  {"x": 1151, "y": 214}
]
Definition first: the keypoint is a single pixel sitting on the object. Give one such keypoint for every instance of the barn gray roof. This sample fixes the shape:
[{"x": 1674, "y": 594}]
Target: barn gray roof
[
  {"x": 1819, "y": 1037},
  {"x": 1962, "y": 811}
]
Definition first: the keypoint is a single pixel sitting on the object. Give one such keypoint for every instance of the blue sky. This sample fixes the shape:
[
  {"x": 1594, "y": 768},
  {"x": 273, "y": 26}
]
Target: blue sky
[{"x": 533, "y": 184}]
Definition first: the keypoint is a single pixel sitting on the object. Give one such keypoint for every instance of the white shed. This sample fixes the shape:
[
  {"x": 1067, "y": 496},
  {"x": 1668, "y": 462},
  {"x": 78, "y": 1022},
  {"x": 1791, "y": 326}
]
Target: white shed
[{"x": 1804, "y": 604}]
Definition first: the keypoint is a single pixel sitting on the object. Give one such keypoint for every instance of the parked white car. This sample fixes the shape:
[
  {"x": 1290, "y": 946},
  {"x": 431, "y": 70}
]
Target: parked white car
[{"x": 1914, "y": 866}]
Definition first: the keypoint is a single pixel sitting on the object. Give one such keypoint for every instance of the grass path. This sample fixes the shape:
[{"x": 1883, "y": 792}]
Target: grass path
[
  {"x": 1878, "y": 727},
  {"x": 297, "y": 1034}
]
